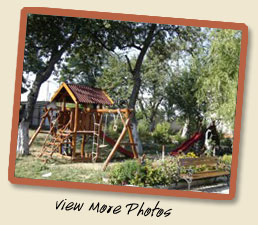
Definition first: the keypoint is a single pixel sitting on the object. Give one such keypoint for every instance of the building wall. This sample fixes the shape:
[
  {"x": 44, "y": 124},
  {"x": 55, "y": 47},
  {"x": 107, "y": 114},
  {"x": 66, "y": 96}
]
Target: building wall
[{"x": 37, "y": 114}]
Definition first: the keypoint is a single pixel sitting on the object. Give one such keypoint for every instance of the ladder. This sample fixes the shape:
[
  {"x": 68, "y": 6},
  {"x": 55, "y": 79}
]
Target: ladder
[
  {"x": 96, "y": 137},
  {"x": 53, "y": 142},
  {"x": 55, "y": 139}
]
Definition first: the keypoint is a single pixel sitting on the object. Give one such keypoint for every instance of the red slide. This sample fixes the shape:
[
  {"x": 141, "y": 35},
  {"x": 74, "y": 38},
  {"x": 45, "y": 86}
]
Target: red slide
[
  {"x": 187, "y": 144},
  {"x": 120, "y": 148}
]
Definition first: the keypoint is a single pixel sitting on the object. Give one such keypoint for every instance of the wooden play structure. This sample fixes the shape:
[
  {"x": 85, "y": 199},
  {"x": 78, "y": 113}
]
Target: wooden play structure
[{"x": 79, "y": 112}]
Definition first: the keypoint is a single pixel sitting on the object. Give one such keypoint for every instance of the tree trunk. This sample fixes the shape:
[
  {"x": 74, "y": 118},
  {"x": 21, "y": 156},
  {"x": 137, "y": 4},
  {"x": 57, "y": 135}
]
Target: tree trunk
[
  {"x": 152, "y": 125},
  {"x": 136, "y": 72},
  {"x": 185, "y": 128},
  {"x": 23, "y": 132},
  {"x": 41, "y": 77},
  {"x": 23, "y": 138},
  {"x": 136, "y": 137}
]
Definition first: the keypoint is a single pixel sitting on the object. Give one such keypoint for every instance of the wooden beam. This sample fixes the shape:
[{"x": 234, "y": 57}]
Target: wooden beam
[
  {"x": 116, "y": 145},
  {"x": 82, "y": 146},
  {"x": 63, "y": 104},
  {"x": 111, "y": 101},
  {"x": 57, "y": 92},
  {"x": 130, "y": 134},
  {"x": 39, "y": 128},
  {"x": 107, "y": 110},
  {"x": 75, "y": 130},
  {"x": 70, "y": 93}
]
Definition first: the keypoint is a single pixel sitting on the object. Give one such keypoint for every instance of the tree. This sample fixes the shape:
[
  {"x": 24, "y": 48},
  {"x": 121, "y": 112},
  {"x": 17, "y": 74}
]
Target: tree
[
  {"x": 47, "y": 39},
  {"x": 217, "y": 83},
  {"x": 206, "y": 89},
  {"x": 116, "y": 80},
  {"x": 126, "y": 37},
  {"x": 155, "y": 79},
  {"x": 182, "y": 97}
]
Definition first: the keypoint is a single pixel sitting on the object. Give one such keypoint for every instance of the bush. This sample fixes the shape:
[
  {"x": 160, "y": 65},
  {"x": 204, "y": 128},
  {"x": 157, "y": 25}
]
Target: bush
[
  {"x": 151, "y": 173},
  {"x": 162, "y": 133},
  {"x": 123, "y": 173},
  {"x": 226, "y": 159},
  {"x": 189, "y": 155}
]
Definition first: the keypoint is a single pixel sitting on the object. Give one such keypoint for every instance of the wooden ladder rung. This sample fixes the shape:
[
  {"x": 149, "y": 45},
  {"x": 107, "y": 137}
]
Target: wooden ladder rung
[
  {"x": 49, "y": 150},
  {"x": 44, "y": 132},
  {"x": 53, "y": 143}
]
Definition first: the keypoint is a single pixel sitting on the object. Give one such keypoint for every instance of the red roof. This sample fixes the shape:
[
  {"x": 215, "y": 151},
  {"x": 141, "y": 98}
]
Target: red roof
[{"x": 85, "y": 94}]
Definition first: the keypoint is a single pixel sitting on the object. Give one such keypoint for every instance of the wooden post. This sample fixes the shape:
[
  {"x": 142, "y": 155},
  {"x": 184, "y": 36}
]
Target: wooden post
[
  {"x": 63, "y": 104},
  {"x": 62, "y": 121},
  {"x": 135, "y": 154},
  {"x": 40, "y": 126},
  {"x": 99, "y": 118},
  {"x": 37, "y": 131},
  {"x": 116, "y": 145},
  {"x": 82, "y": 146},
  {"x": 75, "y": 130},
  {"x": 163, "y": 153}
]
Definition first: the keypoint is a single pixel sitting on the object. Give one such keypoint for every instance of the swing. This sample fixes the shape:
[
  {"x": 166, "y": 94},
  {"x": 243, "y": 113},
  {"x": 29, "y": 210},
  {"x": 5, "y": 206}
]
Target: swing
[
  {"x": 115, "y": 122},
  {"x": 103, "y": 145}
]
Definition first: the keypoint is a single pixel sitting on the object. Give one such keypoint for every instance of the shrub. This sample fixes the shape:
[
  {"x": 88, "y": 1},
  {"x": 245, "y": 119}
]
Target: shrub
[
  {"x": 151, "y": 173},
  {"x": 123, "y": 173},
  {"x": 227, "y": 159},
  {"x": 188, "y": 155},
  {"x": 162, "y": 133}
]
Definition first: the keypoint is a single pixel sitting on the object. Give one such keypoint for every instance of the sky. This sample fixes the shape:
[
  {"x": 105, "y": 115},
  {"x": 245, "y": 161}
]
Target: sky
[{"x": 46, "y": 91}]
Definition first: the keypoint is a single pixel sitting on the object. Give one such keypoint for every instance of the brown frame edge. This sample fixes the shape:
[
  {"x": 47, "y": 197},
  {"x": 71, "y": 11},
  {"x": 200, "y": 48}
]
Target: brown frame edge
[{"x": 134, "y": 18}]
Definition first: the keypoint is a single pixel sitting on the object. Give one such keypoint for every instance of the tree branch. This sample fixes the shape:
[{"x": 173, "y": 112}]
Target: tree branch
[{"x": 129, "y": 64}]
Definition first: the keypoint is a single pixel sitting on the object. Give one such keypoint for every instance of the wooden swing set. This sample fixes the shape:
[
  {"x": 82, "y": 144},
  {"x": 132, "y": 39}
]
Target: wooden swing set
[{"x": 78, "y": 111}]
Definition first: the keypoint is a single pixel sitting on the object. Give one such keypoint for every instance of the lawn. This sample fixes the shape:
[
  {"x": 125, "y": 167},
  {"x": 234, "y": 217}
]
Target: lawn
[
  {"x": 62, "y": 169},
  {"x": 56, "y": 168}
]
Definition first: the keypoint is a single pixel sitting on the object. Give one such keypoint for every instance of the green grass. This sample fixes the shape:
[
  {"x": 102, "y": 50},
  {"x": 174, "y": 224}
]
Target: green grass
[
  {"x": 64, "y": 170},
  {"x": 31, "y": 167}
]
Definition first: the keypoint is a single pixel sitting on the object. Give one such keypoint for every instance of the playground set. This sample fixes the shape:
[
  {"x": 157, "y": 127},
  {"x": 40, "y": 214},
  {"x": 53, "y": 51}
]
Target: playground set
[{"x": 80, "y": 111}]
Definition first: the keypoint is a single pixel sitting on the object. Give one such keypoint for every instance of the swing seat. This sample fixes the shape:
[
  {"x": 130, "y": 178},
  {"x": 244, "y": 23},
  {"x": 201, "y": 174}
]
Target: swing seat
[{"x": 103, "y": 146}]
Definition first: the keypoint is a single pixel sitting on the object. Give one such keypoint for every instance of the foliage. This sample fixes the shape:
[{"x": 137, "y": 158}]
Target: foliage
[
  {"x": 217, "y": 83},
  {"x": 205, "y": 89},
  {"x": 226, "y": 159},
  {"x": 116, "y": 80},
  {"x": 151, "y": 173},
  {"x": 182, "y": 96},
  {"x": 162, "y": 133},
  {"x": 114, "y": 128},
  {"x": 177, "y": 138},
  {"x": 155, "y": 78},
  {"x": 191, "y": 155},
  {"x": 143, "y": 129},
  {"x": 124, "y": 172}
]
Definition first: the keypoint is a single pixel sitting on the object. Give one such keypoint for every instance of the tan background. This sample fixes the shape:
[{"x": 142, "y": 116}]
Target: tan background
[{"x": 36, "y": 205}]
